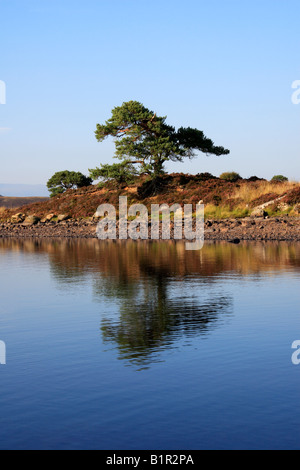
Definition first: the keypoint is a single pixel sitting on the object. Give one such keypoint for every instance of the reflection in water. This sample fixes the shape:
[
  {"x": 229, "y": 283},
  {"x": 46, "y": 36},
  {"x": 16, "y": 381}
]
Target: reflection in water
[
  {"x": 156, "y": 312},
  {"x": 160, "y": 293}
]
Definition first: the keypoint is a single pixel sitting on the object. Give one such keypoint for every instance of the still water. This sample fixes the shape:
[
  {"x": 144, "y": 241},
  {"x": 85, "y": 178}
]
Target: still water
[{"x": 148, "y": 346}]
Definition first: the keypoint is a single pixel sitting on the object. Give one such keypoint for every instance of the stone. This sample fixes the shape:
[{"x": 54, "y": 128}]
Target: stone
[
  {"x": 18, "y": 218},
  {"x": 31, "y": 220},
  {"x": 297, "y": 208},
  {"x": 235, "y": 241},
  {"x": 63, "y": 217},
  {"x": 282, "y": 206},
  {"x": 49, "y": 217},
  {"x": 259, "y": 212}
]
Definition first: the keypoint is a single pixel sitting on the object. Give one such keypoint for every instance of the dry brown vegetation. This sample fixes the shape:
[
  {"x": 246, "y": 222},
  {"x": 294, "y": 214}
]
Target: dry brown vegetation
[
  {"x": 262, "y": 190},
  {"x": 222, "y": 199}
]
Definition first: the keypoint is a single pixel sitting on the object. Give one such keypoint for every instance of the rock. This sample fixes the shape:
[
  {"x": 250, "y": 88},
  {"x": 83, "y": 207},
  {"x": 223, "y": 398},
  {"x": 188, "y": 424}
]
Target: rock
[
  {"x": 89, "y": 221},
  {"x": 96, "y": 216},
  {"x": 235, "y": 241},
  {"x": 63, "y": 217},
  {"x": 49, "y": 217},
  {"x": 283, "y": 206},
  {"x": 18, "y": 218},
  {"x": 259, "y": 212},
  {"x": 31, "y": 220},
  {"x": 297, "y": 208}
]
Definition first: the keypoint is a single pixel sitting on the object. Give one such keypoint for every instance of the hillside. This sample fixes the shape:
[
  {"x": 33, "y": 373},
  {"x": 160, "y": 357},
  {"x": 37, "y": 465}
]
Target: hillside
[
  {"x": 15, "y": 202},
  {"x": 222, "y": 199}
]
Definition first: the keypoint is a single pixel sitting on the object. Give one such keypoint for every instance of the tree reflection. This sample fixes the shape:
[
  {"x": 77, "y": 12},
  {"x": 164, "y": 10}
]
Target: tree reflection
[
  {"x": 158, "y": 304},
  {"x": 158, "y": 295},
  {"x": 154, "y": 320}
]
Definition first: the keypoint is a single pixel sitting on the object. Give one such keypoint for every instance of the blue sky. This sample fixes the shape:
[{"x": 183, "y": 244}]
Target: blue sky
[{"x": 223, "y": 66}]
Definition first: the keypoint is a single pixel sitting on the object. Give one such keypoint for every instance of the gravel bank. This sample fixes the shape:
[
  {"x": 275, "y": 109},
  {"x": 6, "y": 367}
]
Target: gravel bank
[{"x": 279, "y": 229}]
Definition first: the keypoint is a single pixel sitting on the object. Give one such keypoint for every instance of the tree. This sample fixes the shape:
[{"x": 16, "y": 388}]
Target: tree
[
  {"x": 142, "y": 137},
  {"x": 120, "y": 172},
  {"x": 279, "y": 179},
  {"x": 63, "y": 180}
]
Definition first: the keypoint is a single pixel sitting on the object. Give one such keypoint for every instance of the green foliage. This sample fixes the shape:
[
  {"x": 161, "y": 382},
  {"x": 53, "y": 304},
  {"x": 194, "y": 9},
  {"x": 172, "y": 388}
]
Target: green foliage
[
  {"x": 279, "y": 179},
  {"x": 230, "y": 176},
  {"x": 225, "y": 212},
  {"x": 145, "y": 139},
  {"x": 120, "y": 172},
  {"x": 63, "y": 180}
]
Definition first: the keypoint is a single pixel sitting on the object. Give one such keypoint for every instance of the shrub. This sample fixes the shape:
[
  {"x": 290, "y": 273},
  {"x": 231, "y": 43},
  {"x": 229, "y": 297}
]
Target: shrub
[
  {"x": 184, "y": 179},
  {"x": 279, "y": 179},
  {"x": 230, "y": 176},
  {"x": 205, "y": 176},
  {"x": 254, "y": 179}
]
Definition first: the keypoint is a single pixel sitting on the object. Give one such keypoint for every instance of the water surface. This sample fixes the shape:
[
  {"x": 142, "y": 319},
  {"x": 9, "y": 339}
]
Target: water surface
[{"x": 148, "y": 346}]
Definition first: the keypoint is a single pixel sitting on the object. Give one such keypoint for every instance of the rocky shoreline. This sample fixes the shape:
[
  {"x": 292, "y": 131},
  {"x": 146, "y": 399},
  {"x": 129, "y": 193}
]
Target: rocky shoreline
[{"x": 232, "y": 230}]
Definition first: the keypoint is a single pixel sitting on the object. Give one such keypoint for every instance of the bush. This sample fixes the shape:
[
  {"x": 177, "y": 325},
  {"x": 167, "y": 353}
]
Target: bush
[
  {"x": 205, "y": 176},
  {"x": 184, "y": 179},
  {"x": 279, "y": 179},
  {"x": 230, "y": 176},
  {"x": 254, "y": 179}
]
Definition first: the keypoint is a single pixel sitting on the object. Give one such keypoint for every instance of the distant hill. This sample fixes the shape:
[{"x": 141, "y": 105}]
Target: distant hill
[
  {"x": 15, "y": 202},
  {"x": 23, "y": 190}
]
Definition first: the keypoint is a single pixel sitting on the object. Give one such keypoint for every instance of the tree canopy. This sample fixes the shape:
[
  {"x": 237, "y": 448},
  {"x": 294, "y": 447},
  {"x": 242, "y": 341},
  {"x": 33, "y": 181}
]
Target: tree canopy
[
  {"x": 63, "y": 180},
  {"x": 143, "y": 138},
  {"x": 279, "y": 179},
  {"x": 123, "y": 172}
]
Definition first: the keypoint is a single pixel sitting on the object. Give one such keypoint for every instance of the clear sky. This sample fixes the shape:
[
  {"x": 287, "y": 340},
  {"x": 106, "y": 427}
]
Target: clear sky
[{"x": 223, "y": 66}]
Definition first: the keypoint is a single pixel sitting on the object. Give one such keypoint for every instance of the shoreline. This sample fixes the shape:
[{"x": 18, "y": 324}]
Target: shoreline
[{"x": 231, "y": 230}]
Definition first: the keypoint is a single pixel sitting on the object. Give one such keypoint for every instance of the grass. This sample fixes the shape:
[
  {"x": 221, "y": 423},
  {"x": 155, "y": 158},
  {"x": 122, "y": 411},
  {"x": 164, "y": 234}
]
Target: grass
[
  {"x": 225, "y": 212},
  {"x": 240, "y": 203},
  {"x": 247, "y": 193}
]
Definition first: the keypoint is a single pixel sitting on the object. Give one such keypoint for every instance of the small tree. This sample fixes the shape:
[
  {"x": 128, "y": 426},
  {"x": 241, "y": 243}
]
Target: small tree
[
  {"x": 120, "y": 172},
  {"x": 279, "y": 179},
  {"x": 63, "y": 180}
]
